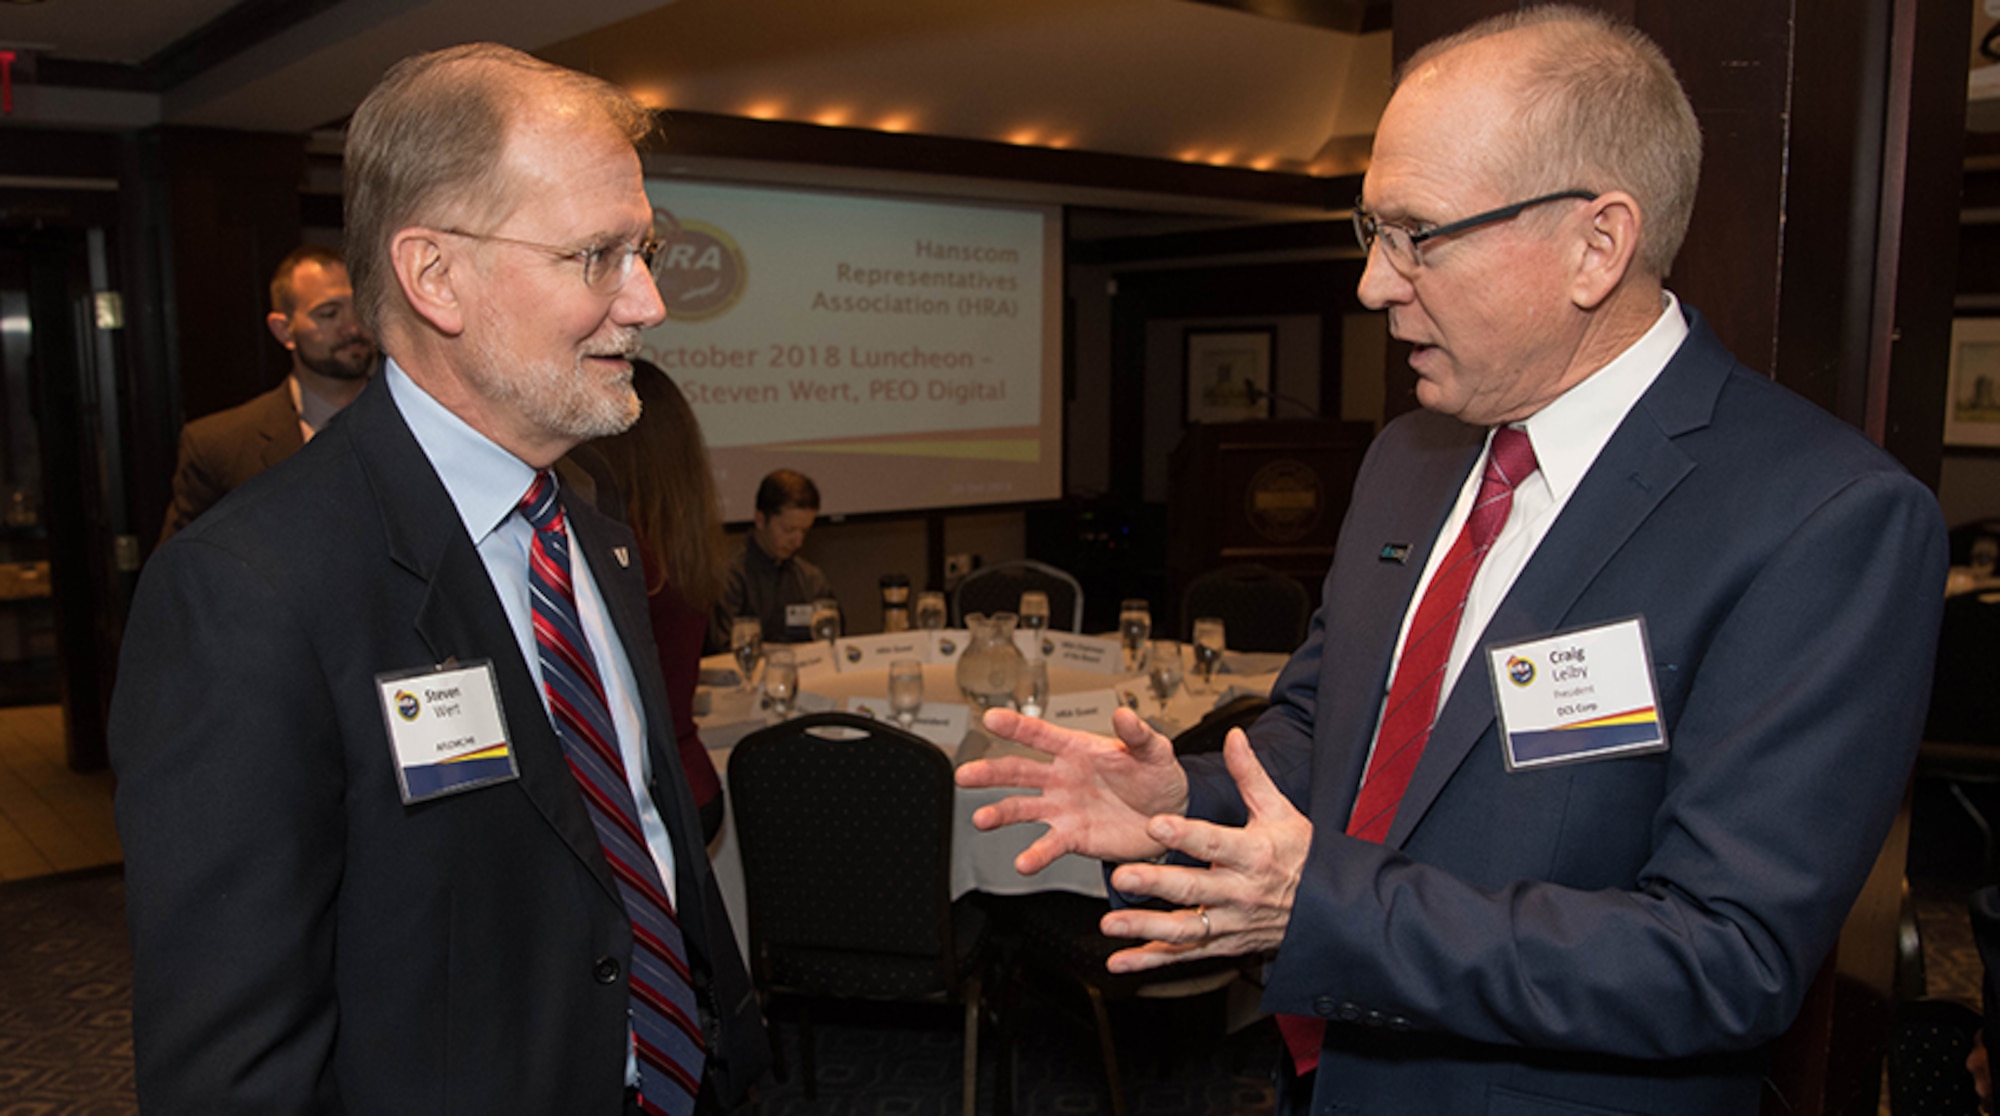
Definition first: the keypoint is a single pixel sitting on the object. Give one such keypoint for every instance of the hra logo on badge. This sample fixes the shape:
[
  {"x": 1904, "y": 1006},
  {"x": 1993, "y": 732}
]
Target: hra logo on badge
[
  {"x": 407, "y": 705},
  {"x": 1520, "y": 671}
]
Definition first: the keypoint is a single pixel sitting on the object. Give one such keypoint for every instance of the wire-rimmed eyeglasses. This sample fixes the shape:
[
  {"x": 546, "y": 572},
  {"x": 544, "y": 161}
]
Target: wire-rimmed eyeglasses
[
  {"x": 1400, "y": 244},
  {"x": 606, "y": 267}
]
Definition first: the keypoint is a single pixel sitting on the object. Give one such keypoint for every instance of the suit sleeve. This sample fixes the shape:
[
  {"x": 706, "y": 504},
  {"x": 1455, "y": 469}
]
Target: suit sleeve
[
  {"x": 1798, "y": 730},
  {"x": 196, "y": 488},
  {"x": 230, "y": 782}
]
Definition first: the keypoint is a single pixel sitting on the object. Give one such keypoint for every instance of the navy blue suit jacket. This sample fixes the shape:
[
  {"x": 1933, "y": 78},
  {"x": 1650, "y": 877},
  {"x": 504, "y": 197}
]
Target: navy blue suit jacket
[
  {"x": 1625, "y": 935},
  {"x": 303, "y": 941}
]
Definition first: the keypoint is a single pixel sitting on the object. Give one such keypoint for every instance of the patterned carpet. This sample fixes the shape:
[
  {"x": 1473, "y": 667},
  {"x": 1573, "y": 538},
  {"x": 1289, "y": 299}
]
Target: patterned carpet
[
  {"x": 65, "y": 1015},
  {"x": 66, "y": 1043},
  {"x": 66, "y": 1049}
]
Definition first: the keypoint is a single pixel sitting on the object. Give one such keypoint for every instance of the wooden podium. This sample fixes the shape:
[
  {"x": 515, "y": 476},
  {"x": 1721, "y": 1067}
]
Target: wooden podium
[{"x": 1272, "y": 492}]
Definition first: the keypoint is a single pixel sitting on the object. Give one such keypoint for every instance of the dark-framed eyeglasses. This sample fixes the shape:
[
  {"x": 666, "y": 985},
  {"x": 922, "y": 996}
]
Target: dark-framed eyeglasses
[
  {"x": 606, "y": 267},
  {"x": 1400, "y": 243}
]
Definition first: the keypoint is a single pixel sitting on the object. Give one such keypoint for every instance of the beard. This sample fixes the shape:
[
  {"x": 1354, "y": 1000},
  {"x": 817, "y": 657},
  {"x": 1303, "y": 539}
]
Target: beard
[
  {"x": 565, "y": 400},
  {"x": 336, "y": 366}
]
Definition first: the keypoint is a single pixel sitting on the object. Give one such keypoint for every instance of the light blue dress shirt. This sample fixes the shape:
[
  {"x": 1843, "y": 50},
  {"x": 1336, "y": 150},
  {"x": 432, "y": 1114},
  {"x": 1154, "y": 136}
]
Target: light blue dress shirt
[{"x": 486, "y": 484}]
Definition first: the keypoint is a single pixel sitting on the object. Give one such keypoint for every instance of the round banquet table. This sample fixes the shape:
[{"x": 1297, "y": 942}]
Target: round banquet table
[{"x": 979, "y": 861}]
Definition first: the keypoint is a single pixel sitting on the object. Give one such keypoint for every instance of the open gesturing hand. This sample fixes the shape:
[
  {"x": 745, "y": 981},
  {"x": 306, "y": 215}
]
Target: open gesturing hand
[{"x": 1096, "y": 793}]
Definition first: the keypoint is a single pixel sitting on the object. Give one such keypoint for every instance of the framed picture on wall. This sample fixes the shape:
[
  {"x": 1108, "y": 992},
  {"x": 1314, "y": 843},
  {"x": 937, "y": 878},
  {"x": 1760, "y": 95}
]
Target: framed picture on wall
[
  {"x": 1228, "y": 374},
  {"x": 1972, "y": 409}
]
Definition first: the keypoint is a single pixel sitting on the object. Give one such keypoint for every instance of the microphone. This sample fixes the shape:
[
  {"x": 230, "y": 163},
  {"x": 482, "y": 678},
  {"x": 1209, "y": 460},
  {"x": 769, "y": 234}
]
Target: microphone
[{"x": 1258, "y": 395}]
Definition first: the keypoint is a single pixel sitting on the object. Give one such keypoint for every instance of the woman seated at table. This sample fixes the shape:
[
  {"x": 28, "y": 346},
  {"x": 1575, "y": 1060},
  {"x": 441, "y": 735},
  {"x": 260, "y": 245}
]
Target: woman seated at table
[{"x": 661, "y": 466}]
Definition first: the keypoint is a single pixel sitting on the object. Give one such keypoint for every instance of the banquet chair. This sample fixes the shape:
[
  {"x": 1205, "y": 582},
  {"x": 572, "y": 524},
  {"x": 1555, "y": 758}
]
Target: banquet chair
[
  {"x": 845, "y": 829},
  {"x": 1261, "y": 609},
  {"x": 1056, "y": 938},
  {"x": 999, "y": 588}
]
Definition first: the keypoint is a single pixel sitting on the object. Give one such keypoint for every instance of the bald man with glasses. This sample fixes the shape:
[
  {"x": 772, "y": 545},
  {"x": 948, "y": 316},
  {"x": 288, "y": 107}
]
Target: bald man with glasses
[
  {"x": 1620, "y": 670},
  {"x": 405, "y": 827}
]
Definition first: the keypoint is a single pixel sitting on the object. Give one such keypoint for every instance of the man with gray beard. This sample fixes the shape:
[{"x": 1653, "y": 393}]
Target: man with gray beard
[{"x": 405, "y": 829}]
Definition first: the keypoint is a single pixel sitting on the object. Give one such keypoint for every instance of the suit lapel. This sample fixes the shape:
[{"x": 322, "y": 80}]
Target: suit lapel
[
  {"x": 460, "y": 617},
  {"x": 1429, "y": 477},
  {"x": 1633, "y": 474}
]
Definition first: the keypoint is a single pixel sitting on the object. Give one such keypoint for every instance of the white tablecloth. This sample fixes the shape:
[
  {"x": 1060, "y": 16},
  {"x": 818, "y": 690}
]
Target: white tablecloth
[{"x": 979, "y": 861}]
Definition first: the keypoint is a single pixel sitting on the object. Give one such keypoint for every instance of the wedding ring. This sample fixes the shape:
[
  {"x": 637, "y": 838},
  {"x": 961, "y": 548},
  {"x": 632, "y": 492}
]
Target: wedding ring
[{"x": 1207, "y": 928}]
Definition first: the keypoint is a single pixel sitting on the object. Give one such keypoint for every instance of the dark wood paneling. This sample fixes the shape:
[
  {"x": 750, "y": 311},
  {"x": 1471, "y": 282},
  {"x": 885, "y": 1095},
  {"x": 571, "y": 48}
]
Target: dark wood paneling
[
  {"x": 1912, "y": 400},
  {"x": 1324, "y": 287},
  {"x": 1293, "y": 236},
  {"x": 709, "y": 134}
]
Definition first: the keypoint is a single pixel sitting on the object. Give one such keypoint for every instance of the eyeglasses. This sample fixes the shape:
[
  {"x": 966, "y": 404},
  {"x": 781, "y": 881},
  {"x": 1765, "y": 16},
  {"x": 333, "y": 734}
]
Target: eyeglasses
[
  {"x": 606, "y": 267},
  {"x": 1400, "y": 243}
]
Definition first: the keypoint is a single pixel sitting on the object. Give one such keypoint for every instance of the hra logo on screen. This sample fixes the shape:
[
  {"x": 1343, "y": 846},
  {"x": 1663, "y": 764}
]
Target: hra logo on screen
[{"x": 702, "y": 270}]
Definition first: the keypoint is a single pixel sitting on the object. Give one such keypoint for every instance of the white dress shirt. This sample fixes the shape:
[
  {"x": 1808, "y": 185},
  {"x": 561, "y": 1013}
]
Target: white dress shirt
[{"x": 1567, "y": 435}]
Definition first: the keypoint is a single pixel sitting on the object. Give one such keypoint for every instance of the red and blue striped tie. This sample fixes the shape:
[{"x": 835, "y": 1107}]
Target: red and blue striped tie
[{"x": 666, "y": 1034}]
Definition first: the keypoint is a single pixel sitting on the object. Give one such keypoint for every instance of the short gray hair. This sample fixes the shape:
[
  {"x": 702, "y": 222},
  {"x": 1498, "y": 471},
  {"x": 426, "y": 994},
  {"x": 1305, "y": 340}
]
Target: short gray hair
[
  {"x": 425, "y": 147},
  {"x": 1601, "y": 109}
]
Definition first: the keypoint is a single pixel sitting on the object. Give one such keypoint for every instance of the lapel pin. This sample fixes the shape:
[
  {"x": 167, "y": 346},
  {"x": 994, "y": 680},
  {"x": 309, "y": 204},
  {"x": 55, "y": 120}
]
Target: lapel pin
[
  {"x": 624, "y": 558},
  {"x": 1396, "y": 552}
]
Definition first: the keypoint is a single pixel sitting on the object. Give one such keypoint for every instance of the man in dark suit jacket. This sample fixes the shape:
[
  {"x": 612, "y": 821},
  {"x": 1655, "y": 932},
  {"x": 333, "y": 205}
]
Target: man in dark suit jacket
[
  {"x": 312, "y": 315},
  {"x": 1489, "y": 897},
  {"x": 323, "y": 919}
]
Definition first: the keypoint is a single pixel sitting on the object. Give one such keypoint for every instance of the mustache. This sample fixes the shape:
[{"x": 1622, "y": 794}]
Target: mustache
[{"x": 624, "y": 342}]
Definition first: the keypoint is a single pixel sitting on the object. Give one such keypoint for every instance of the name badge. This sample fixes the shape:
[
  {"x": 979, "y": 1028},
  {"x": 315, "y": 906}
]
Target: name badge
[
  {"x": 446, "y": 730},
  {"x": 799, "y": 616},
  {"x": 1581, "y": 695}
]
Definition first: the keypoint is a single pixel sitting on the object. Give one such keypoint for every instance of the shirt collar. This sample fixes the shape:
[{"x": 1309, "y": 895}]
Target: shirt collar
[
  {"x": 1569, "y": 432},
  {"x": 484, "y": 481}
]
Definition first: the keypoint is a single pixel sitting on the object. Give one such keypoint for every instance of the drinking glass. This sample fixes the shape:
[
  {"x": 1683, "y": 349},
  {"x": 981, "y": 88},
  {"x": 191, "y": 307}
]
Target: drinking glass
[
  {"x": 930, "y": 610},
  {"x": 906, "y": 690},
  {"x": 1031, "y": 688},
  {"x": 781, "y": 680},
  {"x": 1163, "y": 669},
  {"x": 1985, "y": 553},
  {"x": 826, "y": 619},
  {"x": 1208, "y": 646},
  {"x": 1135, "y": 624},
  {"x": 1034, "y": 610},
  {"x": 746, "y": 642}
]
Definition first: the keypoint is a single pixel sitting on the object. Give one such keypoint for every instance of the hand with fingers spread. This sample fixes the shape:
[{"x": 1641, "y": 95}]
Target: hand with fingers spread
[
  {"x": 1097, "y": 793},
  {"x": 1239, "y": 904}
]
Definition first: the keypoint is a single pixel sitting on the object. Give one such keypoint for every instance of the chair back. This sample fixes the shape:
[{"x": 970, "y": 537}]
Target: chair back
[
  {"x": 999, "y": 588},
  {"x": 845, "y": 829},
  {"x": 1965, "y": 685},
  {"x": 1261, "y": 609}
]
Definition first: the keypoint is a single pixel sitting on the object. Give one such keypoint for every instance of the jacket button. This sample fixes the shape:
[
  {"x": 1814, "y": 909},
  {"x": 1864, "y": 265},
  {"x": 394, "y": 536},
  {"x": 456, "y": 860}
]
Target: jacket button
[
  {"x": 1349, "y": 1013},
  {"x": 1324, "y": 1005},
  {"x": 606, "y": 970},
  {"x": 1375, "y": 1019}
]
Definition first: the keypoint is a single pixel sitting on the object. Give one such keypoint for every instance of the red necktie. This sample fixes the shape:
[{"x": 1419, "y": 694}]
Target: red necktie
[
  {"x": 665, "y": 1034},
  {"x": 1419, "y": 682}
]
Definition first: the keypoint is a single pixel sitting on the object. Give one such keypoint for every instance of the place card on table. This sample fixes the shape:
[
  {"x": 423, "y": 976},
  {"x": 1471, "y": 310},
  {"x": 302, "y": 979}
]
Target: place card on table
[
  {"x": 876, "y": 652},
  {"x": 947, "y": 644},
  {"x": 943, "y": 723},
  {"x": 1081, "y": 652},
  {"x": 1089, "y": 711},
  {"x": 815, "y": 661}
]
